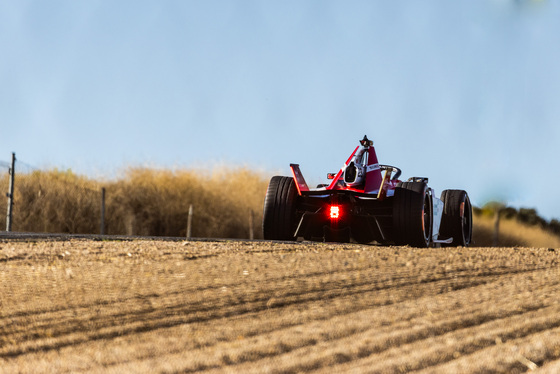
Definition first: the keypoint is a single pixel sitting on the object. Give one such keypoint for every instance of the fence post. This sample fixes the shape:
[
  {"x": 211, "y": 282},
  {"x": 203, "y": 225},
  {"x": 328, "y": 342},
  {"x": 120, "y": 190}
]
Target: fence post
[
  {"x": 189, "y": 221},
  {"x": 251, "y": 224},
  {"x": 10, "y": 194},
  {"x": 496, "y": 228},
  {"x": 102, "y": 230}
]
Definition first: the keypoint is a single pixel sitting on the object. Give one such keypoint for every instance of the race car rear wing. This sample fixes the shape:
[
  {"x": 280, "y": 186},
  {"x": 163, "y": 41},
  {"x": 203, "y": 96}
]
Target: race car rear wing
[
  {"x": 301, "y": 184},
  {"x": 375, "y": 184}
]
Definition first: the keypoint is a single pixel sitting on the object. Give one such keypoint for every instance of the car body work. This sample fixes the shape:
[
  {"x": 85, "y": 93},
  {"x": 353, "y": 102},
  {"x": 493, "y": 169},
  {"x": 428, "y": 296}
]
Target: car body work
[{"x": 366, "y": 202}]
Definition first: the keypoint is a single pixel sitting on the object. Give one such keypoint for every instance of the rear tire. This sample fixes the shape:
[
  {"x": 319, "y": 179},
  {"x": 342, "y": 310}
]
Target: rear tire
[
  {"x": 412, "y": 214},
  {"x": 279, "y": 214},
  {"x": 456, "y": 221}
]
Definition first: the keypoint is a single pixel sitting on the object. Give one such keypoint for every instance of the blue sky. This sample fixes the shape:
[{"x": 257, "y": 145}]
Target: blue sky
[{"x": 464, "y": 92}]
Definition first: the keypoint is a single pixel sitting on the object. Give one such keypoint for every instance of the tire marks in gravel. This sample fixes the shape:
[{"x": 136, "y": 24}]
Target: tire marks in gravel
[{"x": 305, "y": 308}]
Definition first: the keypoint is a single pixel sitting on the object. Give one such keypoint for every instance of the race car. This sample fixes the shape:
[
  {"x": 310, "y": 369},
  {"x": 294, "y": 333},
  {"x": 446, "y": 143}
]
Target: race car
[{"x": 366, "y": 202}]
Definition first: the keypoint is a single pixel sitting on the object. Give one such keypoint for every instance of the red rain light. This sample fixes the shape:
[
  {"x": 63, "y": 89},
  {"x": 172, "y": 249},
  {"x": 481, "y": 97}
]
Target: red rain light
[{"x": 334, "y": 212}]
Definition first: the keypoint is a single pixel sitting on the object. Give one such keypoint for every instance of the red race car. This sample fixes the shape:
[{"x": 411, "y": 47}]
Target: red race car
[{"x": 366, "y": 202}]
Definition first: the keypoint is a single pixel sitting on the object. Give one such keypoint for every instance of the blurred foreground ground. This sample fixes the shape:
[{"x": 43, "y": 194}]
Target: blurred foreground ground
[{"x": 257, "y": 307}]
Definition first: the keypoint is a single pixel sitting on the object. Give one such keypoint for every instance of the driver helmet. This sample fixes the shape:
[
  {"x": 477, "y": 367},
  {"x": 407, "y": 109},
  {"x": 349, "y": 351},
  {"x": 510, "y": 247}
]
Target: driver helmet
[{"x": 355, "y": 172}]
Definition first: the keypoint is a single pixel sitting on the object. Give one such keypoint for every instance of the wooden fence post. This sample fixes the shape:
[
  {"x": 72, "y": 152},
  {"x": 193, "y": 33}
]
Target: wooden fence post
[
  {"x": 189, "y": 221},
  {"x": 496, "y": 239},
  {"x": 251, "y": 224},
  {"x": 10, "y": 194},
  {"x": 102, "y": 229},
  {"x": 130, "y": 223}
]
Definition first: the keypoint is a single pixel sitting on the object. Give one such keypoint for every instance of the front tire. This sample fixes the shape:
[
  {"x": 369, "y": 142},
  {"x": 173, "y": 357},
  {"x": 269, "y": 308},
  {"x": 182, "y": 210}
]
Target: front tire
[
  {"x": 279, "y": 214},
  {"x": 456, "y": 221},
  {"x": 412, "y": 214}
]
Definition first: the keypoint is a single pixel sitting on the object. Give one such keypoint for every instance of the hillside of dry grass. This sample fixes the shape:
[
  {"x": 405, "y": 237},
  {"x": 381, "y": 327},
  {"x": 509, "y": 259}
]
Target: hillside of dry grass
[
  {"x": 145, "y": 201},
  {"x": 511, "y": 233},
  {"x": 155, "y": 202}
]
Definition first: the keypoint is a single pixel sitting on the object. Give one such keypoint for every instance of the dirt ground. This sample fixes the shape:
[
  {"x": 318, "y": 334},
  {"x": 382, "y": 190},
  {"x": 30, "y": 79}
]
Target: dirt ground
[{"x": 265, "y": 307}]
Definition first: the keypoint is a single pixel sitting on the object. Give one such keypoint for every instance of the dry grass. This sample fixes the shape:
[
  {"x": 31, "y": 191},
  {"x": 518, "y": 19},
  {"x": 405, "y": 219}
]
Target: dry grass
[
  {"x": 56, "y": 201},
  {"x": 246, "y": 307},
  {"x": 155, "y": 202},
  {"x": 145, "y": 201},
  {"x": 512, "y": 234}
]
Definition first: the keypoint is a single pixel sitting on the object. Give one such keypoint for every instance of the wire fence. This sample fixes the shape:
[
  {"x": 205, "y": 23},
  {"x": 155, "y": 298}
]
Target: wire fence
[
  {"x": 51, "y": 201},
  {"x": 4, "y": 188},
  {"x": 148, "y": 203},
  {"x": 152, "y": 203}
]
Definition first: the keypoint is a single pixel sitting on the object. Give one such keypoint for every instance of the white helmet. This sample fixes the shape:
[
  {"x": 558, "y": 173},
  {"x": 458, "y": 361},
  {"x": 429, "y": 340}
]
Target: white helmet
[{"x": 355, "y": 172}]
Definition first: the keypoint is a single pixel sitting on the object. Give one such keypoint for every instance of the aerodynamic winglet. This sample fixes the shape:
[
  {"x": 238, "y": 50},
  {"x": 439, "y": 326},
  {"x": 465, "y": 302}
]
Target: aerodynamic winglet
[{"x": 298, "y": 178}]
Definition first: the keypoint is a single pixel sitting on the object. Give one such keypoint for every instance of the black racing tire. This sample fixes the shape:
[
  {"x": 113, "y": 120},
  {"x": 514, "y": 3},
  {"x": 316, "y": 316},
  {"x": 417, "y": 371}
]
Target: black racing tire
[
  {"x": 279, "y": 214},
  {"x": 456, "y": 221},
  {"x": 412, "y": 214}
]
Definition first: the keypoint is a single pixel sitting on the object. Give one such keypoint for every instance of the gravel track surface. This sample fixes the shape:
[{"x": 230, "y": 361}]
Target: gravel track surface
[{"x": 224, "y": 306}]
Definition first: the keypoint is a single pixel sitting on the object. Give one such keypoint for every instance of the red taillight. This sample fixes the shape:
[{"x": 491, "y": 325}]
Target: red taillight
[{"x": 334, "y": 212}]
